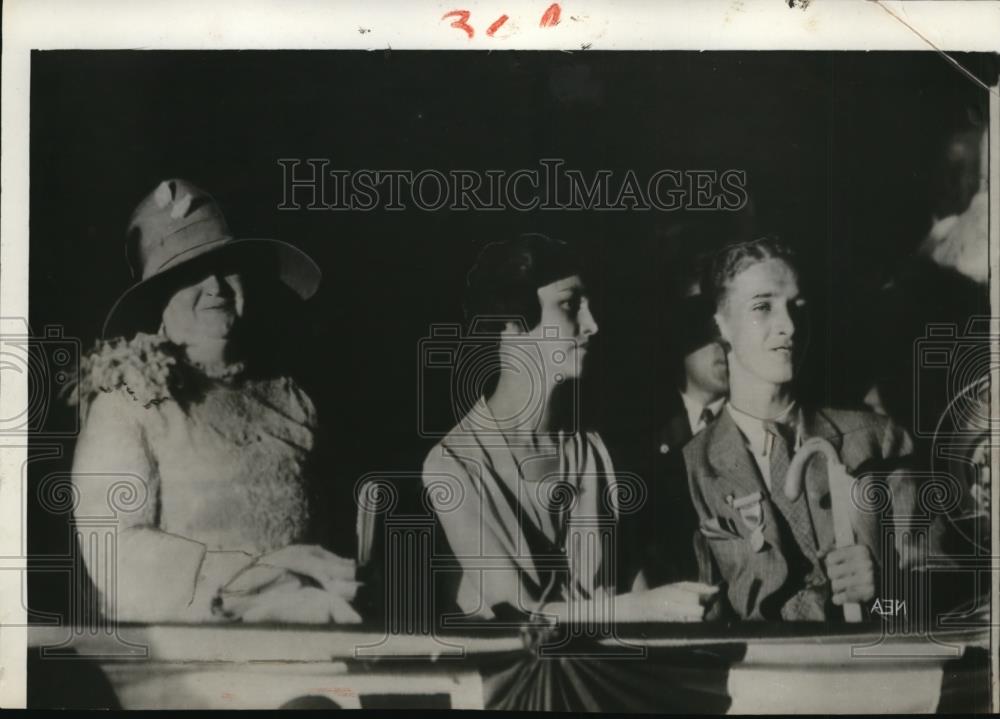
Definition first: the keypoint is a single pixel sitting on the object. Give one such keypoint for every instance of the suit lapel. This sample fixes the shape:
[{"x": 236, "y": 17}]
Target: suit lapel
[
  {"x": 815, "y": 423},
  {"x": 676, "y": 432},
  {"x": 729, "y": 456},
  {"x": 737, "y": 475},
  {"x": 679, "y": 427}
]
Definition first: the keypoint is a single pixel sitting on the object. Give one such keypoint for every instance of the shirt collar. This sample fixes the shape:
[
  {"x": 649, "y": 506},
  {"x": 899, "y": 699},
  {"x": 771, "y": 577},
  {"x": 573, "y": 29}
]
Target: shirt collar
[
  {"x": 693, "y": 408},
  {"x": 753, "y": 427}
]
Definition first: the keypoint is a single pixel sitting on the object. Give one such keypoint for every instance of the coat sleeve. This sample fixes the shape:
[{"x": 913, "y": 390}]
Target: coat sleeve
[
  {"x": 919, "y": 524},
  {"x": 141, "y": 573}
]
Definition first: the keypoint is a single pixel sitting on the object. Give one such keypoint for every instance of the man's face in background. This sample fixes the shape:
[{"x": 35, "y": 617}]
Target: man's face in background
[{"x": 705, "y": 370}]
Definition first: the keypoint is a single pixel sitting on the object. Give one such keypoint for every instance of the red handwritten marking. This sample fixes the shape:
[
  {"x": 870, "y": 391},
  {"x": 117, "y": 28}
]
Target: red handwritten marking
[
  {"x": 551, "y": 16},
  {"x": 462, "y": 22},
  {"x": 497, "y": 25}
]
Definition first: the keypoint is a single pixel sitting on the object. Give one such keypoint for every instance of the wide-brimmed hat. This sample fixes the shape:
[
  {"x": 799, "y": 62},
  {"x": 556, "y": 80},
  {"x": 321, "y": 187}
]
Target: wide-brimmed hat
[{"x": 177, "y": 226}]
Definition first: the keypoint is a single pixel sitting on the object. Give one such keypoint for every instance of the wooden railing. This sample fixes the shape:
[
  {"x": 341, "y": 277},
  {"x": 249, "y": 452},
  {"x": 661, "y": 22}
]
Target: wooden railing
[{"x": 662, "y": 667}]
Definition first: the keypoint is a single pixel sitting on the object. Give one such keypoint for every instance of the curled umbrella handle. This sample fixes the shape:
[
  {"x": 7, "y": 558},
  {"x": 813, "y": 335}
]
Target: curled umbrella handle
[
  {"x": 797, "y": 467},
  {"x": 841, "y": 484}
]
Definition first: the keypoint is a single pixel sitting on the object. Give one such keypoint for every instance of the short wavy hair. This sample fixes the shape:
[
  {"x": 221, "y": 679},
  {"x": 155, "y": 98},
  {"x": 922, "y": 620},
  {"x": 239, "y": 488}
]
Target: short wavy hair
[
  {"x": 734, "y": 259},
  {"x": 504, "y": 281}
]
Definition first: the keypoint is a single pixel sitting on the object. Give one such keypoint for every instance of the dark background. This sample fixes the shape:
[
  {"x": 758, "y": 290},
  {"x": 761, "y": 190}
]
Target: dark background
[{"x": 839, "y": 149}]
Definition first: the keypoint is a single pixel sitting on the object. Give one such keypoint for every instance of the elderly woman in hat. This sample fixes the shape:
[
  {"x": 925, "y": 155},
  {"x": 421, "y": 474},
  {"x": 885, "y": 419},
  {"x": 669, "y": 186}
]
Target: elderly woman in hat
[{"x": 196, "y": 445}]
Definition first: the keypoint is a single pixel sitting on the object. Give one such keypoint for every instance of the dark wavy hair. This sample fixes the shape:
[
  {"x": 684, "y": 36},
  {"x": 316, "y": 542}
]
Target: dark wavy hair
[
  {"x": 733, "y": 259},
  {"x": 503, "y": 283}
]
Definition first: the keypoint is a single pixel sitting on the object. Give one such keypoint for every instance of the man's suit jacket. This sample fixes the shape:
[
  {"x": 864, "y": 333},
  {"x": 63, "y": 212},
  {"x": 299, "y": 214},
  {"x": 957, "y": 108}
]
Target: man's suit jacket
[
  {"x": 719, "y": 466},
  {"x": 674, "y": 431},
  {"x": 661, "y": 540}
]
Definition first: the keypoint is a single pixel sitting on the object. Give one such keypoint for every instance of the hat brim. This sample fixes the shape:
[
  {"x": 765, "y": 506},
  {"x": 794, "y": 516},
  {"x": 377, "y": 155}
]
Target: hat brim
[{"x": 140, "y": 307}]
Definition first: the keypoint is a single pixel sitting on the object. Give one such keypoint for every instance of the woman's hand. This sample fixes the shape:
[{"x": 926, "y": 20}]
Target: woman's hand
[
  {"x": 289, "y": 604},
  {"x": 333, "y": 573},
  {"x": 678, "y": 602},
  {"x": 280, "y": 587}
]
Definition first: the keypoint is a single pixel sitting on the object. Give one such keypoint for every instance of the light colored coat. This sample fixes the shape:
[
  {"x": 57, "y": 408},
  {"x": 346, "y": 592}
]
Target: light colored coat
[
  {"x": 174, "y": 498},
  {"x": 505, "y": 556}
]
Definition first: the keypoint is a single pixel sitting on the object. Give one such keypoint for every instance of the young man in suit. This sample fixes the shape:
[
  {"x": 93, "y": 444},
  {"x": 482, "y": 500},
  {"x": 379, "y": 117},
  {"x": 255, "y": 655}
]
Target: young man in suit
[
  {"x": 777, "y": 557},
  {"x": 691, "y": 398},
  {"x": 700, "y": 378}
]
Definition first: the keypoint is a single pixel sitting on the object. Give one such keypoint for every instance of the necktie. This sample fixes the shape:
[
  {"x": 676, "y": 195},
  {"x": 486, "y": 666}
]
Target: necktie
[
  {"x": 707, "y": 415},
  {"x": 796, "y": 513},
  {"x": 809, "y": 602}
]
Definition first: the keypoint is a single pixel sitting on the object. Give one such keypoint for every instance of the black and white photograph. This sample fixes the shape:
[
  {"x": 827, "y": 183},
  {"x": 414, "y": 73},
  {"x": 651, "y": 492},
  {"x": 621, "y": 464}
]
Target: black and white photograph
[{"x": 587, "y": 378}]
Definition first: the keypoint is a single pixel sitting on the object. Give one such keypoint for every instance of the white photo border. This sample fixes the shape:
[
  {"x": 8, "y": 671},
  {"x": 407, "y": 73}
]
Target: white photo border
[{"x": 584, "y": 25}]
